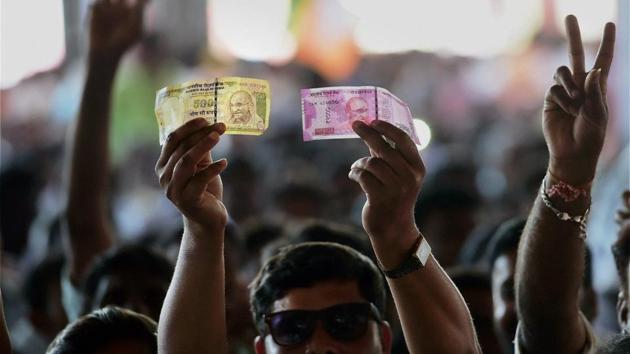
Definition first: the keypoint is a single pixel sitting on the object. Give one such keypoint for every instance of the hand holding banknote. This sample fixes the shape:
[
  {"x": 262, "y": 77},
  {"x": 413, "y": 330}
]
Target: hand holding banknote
[
  {"x": 329, "y": 112},
  {"x": 391, "y": 178},
  {"x": 191, "y": 178}
]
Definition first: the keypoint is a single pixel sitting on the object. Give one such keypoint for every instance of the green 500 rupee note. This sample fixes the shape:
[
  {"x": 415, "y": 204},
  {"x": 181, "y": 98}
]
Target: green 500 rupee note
[{"x": 241, "y": 103}]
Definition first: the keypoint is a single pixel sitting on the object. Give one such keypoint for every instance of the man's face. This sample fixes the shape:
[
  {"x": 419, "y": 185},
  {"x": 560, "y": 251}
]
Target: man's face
[
  {"x": 135, "y": 290},
  {"x": 357, "y": 109},
  {"x": 505, "y": 319},
  {"x": 377, "y": 338},
  {"x": 240, "y": 106}
]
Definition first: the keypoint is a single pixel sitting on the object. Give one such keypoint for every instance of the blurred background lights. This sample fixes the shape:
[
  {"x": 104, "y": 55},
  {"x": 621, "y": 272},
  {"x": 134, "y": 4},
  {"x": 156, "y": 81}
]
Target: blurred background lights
[
  {"x": 424, "y": 132},
  {"x": 253, "y": 30},
  {"x": 32, "y": 36},
  {"x": 477, "y": 28}
]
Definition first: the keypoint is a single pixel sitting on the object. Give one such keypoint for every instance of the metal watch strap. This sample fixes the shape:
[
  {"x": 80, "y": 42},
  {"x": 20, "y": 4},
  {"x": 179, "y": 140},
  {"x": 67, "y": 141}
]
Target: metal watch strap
[{"x": 418, "y": 259}]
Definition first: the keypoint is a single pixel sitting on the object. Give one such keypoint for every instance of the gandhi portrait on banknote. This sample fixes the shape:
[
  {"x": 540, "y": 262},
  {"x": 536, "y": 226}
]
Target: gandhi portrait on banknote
[
  {"x": 357, "y": 109},
  {"x": 243, "y": 110}
]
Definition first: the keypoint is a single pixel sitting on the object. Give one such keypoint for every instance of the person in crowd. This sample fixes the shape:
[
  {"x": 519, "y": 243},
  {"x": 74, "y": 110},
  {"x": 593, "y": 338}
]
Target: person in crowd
[
  {"x": 447, "y": 214},
  {"x": 131, "y": 276},
  {"x": 114, "y": 28},
  {"x": 501, "y": 260},
  {"x": 550, "y": 261},
  {"x": 429, "y": 306},
  {"x": 46, "y": 315},
  {"x": 108, "y": 330},
  {"x": 474, "y": 284}
]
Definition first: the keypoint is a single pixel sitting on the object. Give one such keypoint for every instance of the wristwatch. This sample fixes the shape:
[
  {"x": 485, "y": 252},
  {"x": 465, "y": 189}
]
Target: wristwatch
[{"x": 420, "y": 253}]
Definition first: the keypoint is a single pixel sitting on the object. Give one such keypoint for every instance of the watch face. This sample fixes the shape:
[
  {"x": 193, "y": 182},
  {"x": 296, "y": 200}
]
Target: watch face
[
  {"x": 424, "y": 251},
  {"x": 416, "y": 261}
]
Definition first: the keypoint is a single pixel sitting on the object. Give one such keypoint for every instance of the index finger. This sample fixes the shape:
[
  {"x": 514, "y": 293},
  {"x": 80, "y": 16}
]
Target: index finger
[
  {"x": 403, "y": 142},
  {"x": 576, "y": 51},
  {"x": 175, "y": 138},
  {"x": 606, "y": 48}
]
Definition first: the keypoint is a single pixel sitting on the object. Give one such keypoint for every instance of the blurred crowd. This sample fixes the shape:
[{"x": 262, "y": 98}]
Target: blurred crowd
[{"x": 485, "y": 161}]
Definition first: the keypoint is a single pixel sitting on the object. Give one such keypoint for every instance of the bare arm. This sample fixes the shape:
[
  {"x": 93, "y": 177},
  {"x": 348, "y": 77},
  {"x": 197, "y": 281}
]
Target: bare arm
[
  {"x": 428, "y": 303},
  {"x": 193, "y": 315},
  {"x": 114, "y": 28},
  {"x": 550, "y": 264}
]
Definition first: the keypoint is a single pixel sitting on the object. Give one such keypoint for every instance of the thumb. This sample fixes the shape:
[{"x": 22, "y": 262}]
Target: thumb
[{"x": 594, "y": 102}]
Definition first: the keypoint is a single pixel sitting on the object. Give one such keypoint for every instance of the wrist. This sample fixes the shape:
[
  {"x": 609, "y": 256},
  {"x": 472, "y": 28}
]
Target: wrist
[
  {"x": 392, "y": 249},
  {"x": 576, "y": 172},
  {"x": 573, "y": 203},
  {"x": 204, "y": 235}
]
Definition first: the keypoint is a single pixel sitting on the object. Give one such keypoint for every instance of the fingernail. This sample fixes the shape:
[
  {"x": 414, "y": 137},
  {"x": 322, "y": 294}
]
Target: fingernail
[
  {"x": 221, "y": 127},
  {"x": 357, "y": 124},
  {"x": 214, "y": 135}
]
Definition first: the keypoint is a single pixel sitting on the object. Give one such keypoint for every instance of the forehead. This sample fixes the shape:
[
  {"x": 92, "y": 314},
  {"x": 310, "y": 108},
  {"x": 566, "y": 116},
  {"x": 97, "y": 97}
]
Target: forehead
[
  {"x": 319, "y": 296},
  {"x": 356, "y": 102},
  {"x": 240, "y": 96}
]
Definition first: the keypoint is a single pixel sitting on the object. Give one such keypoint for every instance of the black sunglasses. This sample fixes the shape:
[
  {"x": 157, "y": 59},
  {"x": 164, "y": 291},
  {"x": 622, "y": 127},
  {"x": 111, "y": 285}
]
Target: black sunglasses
[{"x": 344, "y": 322}]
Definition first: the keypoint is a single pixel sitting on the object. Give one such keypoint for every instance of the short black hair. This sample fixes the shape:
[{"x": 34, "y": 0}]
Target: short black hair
[
  {"x": 505, "y": 239},
  {"x": 102, "y": 327},
  {"x": 469, "y": 278},
  {"x": 306, "y": 264},
  {"x": 325, "y": 231},
  {"x": 124, "y": 259},
  {"x": 36, "y": 288},
  {"x": 443, "y": 198},
  {"x": 619, "y": 344}
]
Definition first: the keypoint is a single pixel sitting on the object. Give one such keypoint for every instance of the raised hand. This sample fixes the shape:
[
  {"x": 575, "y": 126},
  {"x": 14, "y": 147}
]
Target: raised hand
[
  {"x": 576, "y": 112},
  {"x": 115, "y": 26},
  {"x": 189, "y": 176},
  {"x": 391, "y": 178}
]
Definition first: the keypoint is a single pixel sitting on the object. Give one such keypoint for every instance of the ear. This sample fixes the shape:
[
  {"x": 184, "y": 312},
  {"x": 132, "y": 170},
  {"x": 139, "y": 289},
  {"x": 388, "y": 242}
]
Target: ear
[
  {"x": 622, "y": 311},
  {"x": 259, "y": 345},
  {"x": 386, "y": 337}
]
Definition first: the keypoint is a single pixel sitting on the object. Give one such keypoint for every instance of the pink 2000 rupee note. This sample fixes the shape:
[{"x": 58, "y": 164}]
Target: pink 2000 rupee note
[{"x": 328, "y": 112}]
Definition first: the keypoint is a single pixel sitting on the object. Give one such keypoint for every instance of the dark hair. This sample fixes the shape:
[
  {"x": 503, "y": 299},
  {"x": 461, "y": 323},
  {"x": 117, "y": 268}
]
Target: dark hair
[
  {"x": 469, "y": 278},
  {"x": 505, "y": 239},
  {"x": 305, "y": 264},
  {"x": 125, "y": 259},
  {"x": 441, "y": 198},
  {"x": 102, "y": 327},
  {"x": 36, "y": 288},
  {"x": 323, "y": 231},
  {"x": 619, "y": 344},
  {"x": 258, "y": 235}
]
